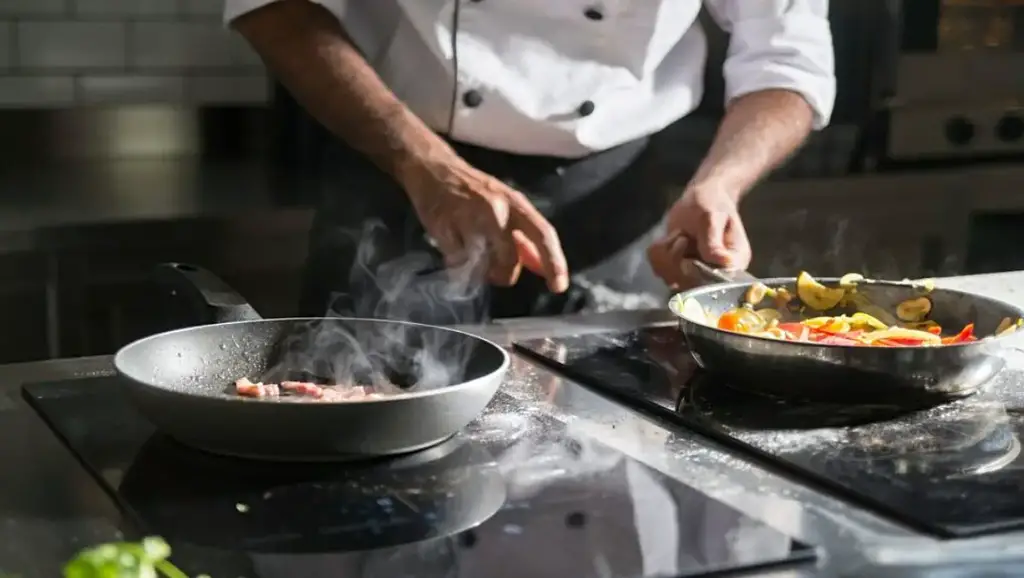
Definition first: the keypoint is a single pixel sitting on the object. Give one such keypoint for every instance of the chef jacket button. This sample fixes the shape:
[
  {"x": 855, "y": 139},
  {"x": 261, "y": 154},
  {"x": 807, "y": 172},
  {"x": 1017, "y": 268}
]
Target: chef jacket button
[
  {"x": 467, "y": 539},
  {"x": 576, "y": 520},
  {"x": 472, "y": 99},
  {"x": 593, "y": 14},
  {"x": 586, "y": 109}
]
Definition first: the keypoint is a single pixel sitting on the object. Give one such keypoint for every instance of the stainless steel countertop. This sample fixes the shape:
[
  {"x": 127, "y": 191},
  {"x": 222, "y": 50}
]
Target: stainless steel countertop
[{"x": 50, "y": 507}]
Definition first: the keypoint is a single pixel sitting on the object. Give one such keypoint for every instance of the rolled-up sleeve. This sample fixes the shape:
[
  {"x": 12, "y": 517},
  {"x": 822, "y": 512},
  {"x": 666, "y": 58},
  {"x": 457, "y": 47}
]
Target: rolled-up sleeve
[
  {"x": 235, "y": 8},
  {"x": 779, "y": 44},
  {"x": 366, "y": 22}
]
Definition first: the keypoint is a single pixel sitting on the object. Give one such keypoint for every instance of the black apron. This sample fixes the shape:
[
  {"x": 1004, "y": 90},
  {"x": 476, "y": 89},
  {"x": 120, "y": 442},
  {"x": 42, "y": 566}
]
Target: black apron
[
  {"x": 605, "y": 207},
  {"x": 368, "y": 256}
]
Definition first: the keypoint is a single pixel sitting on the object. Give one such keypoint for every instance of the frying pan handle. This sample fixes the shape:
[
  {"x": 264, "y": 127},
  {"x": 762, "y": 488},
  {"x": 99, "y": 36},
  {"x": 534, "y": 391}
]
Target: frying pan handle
[{"x": 206, "y": 293}]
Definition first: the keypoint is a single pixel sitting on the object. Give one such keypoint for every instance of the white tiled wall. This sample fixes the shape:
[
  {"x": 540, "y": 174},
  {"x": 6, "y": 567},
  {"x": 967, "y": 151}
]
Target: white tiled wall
[{"x": 66, "y": 53}]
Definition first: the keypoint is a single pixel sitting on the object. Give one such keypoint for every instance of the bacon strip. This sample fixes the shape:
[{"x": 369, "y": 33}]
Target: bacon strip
[
  {"x": 246, "y": 388},
  {"x": 303, "y": 389}
]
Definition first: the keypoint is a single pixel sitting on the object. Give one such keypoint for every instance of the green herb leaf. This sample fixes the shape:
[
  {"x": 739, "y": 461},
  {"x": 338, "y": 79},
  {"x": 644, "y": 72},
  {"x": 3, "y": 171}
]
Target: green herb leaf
[{"x": 146, "y": 559}]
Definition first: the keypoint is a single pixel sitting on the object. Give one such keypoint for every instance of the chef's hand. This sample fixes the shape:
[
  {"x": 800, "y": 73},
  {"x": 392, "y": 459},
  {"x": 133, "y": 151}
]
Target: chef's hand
[
  {"x": 704, "y": 223},
  {"x": 475, "y": 219}
]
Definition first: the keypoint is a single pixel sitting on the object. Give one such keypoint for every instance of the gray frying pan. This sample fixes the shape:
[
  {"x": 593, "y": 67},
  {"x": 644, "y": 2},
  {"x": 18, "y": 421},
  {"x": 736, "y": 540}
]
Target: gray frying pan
[
  {"x": 438, "y": 379},
  {"x": 852, "y": 374}
]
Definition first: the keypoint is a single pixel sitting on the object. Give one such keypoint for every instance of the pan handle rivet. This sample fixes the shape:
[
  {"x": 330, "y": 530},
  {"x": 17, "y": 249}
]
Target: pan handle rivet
[{"x": 467, "y": 539}]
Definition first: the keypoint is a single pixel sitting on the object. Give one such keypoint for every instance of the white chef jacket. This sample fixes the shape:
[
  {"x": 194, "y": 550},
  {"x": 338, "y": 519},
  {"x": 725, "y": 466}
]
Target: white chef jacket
[{"x": 566, "y": 78}]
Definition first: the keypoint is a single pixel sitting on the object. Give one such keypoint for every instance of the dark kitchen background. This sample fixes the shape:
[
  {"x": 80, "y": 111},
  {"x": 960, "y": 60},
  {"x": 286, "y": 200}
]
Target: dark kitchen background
[{"x": 135, "y": 132}]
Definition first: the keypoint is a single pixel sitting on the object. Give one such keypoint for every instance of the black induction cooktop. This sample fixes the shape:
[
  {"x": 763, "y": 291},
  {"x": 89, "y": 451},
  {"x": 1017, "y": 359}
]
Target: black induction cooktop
[
  {"x": 951, "y": 471},
  {"x": 517, "y": 493}
]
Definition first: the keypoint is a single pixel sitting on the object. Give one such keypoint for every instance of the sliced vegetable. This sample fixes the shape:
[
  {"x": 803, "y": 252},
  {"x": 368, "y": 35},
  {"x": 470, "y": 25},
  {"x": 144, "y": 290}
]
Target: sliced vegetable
[
  {"x": 904, "y": 341},
  {"x": 899, "y": 334},
  {"x": 837, "y": 325},
  {"x": 793, "y": 329},
  {"x": 782, "y": 297},
  {"x": 692, "y": 310},
  {"x": 815, "y": 295},
  {"x": 862, "y": 324},
  {"x": 769, "y": 315},
  {"x": 1005, "y": 324},
  {"x": 147, "y": 559},
  {"x": 742, "y": 320},
  {"x": 914, "y": 309},
  {"x": 863, "y": 319},
  {"x": 850, "y": 280},
  {"x": 839, "y": 340},
  {"x": 755, "y": 293},
  {"x": 816, "y": 322},
  {"x": 861, "y": 303},
  {"x": 965, "y": 335},
  {"x": 1008, "y": 326},
  {"x": 925, "y": 325}
]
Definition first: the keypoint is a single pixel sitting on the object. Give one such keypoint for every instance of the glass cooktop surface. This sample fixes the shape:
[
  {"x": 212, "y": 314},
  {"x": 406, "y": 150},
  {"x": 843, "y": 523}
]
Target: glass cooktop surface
[
  {"x": 518, "y": 493},
  {"x": 952, "y": 470}
]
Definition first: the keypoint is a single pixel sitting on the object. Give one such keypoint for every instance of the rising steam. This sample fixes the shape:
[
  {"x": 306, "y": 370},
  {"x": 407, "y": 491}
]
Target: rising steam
[{"x": 410, "y": 287}]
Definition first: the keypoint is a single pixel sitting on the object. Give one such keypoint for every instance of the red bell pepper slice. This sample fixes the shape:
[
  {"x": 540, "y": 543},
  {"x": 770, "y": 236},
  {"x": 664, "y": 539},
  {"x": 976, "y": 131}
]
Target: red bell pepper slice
[
  {"x": 852, "y": 334},
  {"x": 793, "y": 331},
  {"x": 836, "y": 337},
  {"x": 966, "y": 334},
  {"x": 838, "y": 340},
  {"x": 903, "y": 341},
  {"x": 885, "y": 343}
]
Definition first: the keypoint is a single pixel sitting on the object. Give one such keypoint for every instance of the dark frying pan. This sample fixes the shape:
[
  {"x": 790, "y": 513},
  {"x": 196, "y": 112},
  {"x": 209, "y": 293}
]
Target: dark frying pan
[
  {"x": 853, "y": 374},
  {"x": 182, "y": 380}
]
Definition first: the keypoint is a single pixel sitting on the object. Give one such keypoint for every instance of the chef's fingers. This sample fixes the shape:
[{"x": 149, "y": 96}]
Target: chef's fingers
[
  {"x": 680, "y": 248},
  {"x": 503, "y": 265},
  {"x": 529, "y": 254},
  {"x": 526, "y": 218},
  {"x": 682, "y": 252},
  {"x": 656, "y": 257},
  {"x": 659, "y": 254},
  {"x": 711, "y": 240},
  {"x": 485, "y": 221},
  {"x": 737, "y": 243},
  {"x": 449, "y": 243},
  {"x": 666, "y": 256}
]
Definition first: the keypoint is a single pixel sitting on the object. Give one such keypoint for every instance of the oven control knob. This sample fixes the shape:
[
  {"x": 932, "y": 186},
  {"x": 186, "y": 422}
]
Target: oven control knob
[
  {"x": 1010, "y": 128},
  {"x": 959, "y": 130}
]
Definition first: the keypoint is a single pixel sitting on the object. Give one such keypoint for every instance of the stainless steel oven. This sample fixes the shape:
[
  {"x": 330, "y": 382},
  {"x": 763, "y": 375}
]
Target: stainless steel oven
[{"x": 959, "y": 81}]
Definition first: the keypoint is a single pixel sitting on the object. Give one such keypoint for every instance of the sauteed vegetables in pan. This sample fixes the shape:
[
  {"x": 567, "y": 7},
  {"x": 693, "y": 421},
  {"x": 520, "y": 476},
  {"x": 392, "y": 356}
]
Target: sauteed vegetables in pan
[{"x": 838, "y": 315}]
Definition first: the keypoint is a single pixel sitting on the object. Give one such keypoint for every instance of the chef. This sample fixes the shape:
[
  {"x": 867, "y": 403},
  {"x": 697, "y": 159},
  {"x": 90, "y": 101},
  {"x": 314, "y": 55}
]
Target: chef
[{"x": 513, "y": 145}]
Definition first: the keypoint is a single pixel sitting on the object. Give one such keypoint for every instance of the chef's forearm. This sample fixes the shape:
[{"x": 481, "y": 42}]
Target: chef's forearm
[
  {"x": 304, "y": 46},
  {"x": 758, "y": 132}
]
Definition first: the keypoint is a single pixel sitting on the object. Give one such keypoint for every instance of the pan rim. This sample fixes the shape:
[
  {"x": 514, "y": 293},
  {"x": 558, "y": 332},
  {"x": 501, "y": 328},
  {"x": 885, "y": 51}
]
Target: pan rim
[
  {"x": 506, "y": 361},
  {"x": 678, "y": 297}
]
